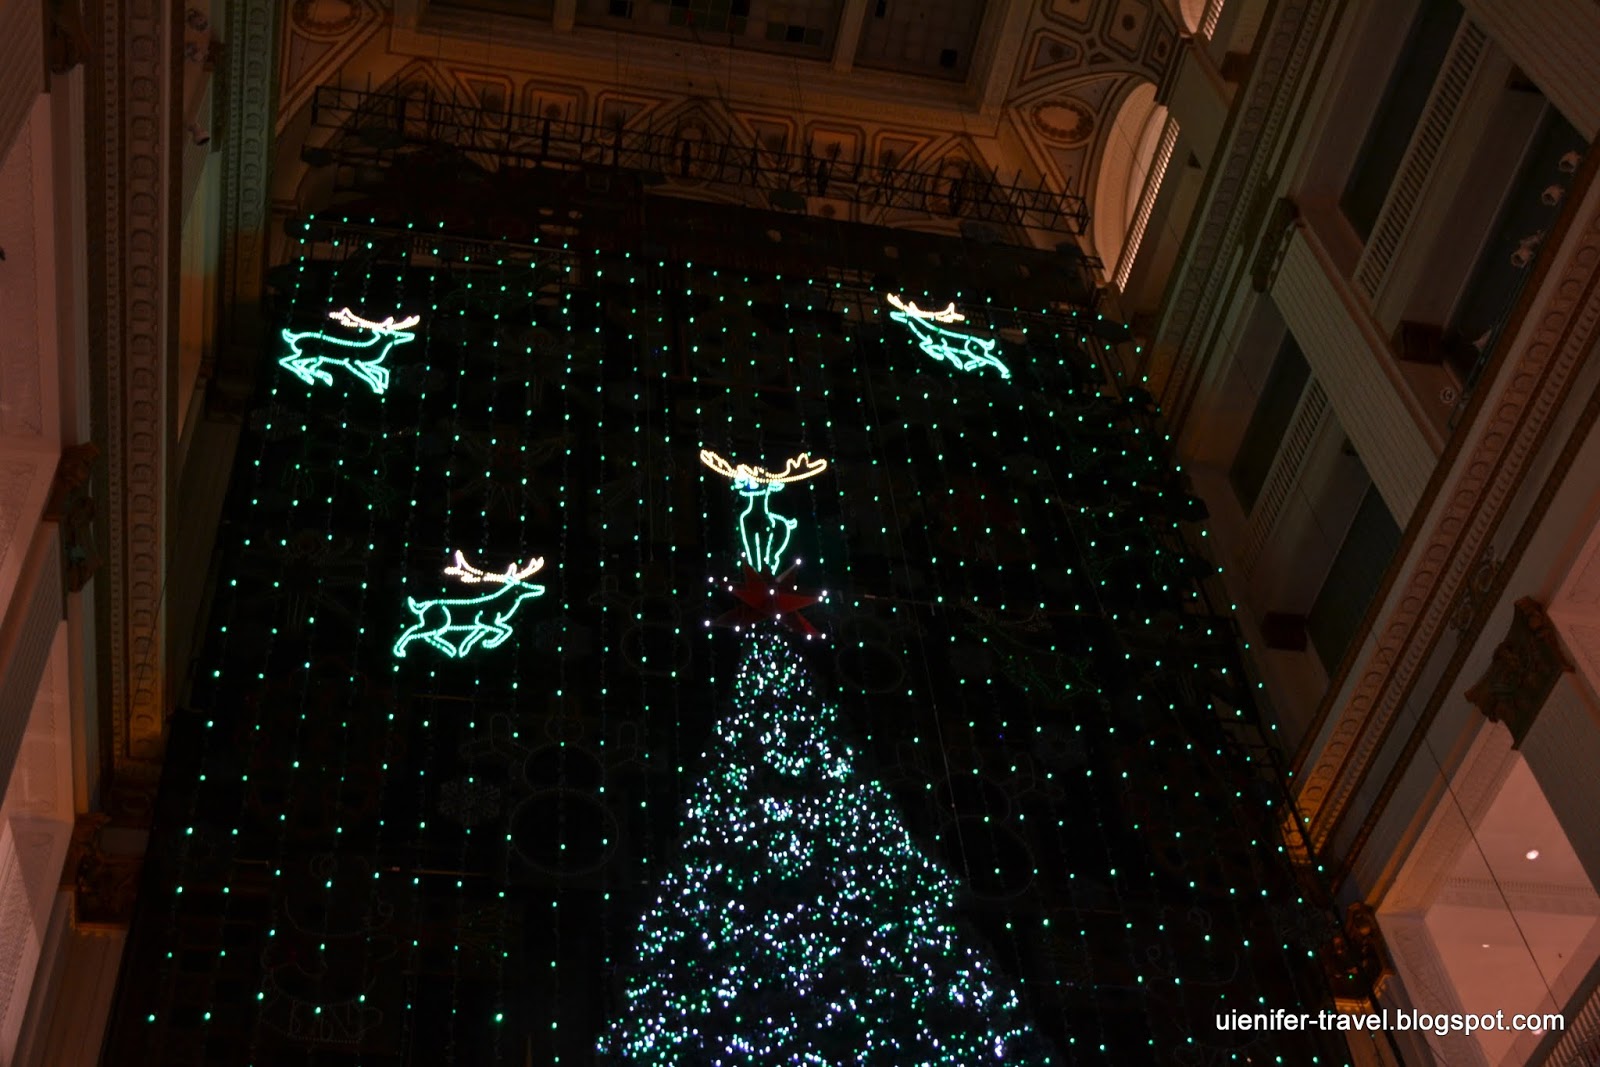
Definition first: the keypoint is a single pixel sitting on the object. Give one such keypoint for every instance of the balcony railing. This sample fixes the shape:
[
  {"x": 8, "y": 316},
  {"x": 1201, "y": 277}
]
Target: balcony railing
[{"x": 1416, "y": 168}]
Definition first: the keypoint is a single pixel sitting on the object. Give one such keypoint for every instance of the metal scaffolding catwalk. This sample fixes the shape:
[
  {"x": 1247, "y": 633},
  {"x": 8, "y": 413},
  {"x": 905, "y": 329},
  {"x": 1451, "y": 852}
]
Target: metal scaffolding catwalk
[{"x": 381, "y": 126}]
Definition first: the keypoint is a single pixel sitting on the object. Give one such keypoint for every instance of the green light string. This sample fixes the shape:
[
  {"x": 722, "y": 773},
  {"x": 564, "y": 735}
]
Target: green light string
[
  {"x": 269, "y": 994},
  {"x": 370, "y": 889},
  {"x": 404, "y": 837},
  {"x": 381, "y": 880},
  {"x": 800, "y": 919},
  {"x": 987, "y": 719},
  {"x": 1152, "y": 463},
  {"x": 931, "y": 699},
  {"x": 568, "y": 519},
  {"x": 194, "y": 818}
]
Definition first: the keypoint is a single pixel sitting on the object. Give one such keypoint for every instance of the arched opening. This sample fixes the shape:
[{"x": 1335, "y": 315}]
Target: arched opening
[
  {"x": 1193, "y": 11},
  {"x": 1124, "y": 188}
]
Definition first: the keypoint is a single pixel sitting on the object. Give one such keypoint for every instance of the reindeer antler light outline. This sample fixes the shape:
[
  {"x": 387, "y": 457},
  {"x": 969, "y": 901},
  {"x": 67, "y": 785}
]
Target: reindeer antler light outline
[
  {"x": 948, "y": 315},
  {"x": 346, "y": 317},
  {"x": 471, "y": 575},
  {"x": 795, "y": 469}
]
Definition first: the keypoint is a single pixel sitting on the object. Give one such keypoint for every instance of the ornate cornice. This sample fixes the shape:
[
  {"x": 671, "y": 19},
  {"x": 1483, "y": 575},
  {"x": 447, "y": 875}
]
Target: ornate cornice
[
  {"x": 249, "y": 85},
  {"x": 132, "y": 160},
  {"x": 1234, "y": 195},
  {"x": 1501, "y": 444},
  {"x": 1543, "y": 897}
]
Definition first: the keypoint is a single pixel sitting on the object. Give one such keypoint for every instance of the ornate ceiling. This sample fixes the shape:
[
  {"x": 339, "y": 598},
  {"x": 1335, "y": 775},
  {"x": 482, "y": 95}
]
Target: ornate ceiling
[{"x": 1029, "y": 87}]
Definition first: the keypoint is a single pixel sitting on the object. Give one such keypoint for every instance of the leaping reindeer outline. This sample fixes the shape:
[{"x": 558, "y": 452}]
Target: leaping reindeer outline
[
  {"x": 437, "y": 618},
  {"x": 963, "y": 350},
  {"x": 389, "y": 333},
  {"x": 765, "y": 534}
]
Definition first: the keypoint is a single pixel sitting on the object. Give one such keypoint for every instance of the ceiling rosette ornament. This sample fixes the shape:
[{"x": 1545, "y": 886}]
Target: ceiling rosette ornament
[
  {"x": 325, "y": 19},
  {"x": 1064, "y": 121}
]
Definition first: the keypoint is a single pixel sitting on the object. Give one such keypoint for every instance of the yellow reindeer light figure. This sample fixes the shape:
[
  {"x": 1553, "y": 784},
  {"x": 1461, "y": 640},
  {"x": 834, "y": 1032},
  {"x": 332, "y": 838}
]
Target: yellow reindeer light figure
[{"x": 764, "y": 534}]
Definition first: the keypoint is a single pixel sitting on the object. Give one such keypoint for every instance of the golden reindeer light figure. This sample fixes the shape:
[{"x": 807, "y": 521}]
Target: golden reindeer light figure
[{"x": 765, "y": 535}]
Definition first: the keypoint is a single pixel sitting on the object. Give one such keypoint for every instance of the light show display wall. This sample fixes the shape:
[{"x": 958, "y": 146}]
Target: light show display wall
[{"x": 521, "y": 540}]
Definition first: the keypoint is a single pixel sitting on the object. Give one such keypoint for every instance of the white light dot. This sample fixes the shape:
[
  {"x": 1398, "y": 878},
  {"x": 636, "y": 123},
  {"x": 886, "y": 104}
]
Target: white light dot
[{"x": 1533, "y": 853}]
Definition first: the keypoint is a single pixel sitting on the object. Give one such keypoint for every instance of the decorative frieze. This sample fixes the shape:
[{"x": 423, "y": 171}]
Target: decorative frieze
[{"x": 133, "y": 159}]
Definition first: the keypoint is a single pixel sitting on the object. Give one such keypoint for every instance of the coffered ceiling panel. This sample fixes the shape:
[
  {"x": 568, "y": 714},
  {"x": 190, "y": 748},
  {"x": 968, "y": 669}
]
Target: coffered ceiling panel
[
  {"x": 798, "y": 27},
  {"x": 921, "y": 36}
]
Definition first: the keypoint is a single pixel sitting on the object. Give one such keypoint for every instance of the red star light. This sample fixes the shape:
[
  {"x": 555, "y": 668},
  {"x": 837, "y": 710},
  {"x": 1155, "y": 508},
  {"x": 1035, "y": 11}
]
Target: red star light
[{"x": 764, "y": 598}]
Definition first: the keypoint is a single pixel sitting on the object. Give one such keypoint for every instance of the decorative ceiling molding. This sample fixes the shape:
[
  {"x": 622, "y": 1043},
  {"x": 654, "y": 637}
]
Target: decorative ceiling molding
[
  {"x": 584, "y": 72},
  {"x": 319, "y": 37},
  {"x": 1520, "y": 896}
]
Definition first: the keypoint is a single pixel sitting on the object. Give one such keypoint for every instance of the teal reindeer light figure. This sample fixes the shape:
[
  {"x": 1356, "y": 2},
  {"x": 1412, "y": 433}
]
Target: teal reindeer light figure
[
  {"x": 765, "y": 534},
  {"x": 356, "y": 358},
  {"x": 963, "y": 350},
  {"x": 456, "y": 627}
]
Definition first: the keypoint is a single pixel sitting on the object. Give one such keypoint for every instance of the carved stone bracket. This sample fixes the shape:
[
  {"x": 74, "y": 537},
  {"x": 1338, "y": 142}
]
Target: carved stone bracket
[
  {"x": 1274, "y": 241},
  {"x": 1524, "y": 670},
  {"x": 103, "y": 882},
  {"x": 1357, "y": 962},
  {"x": 72, "y": 506}
]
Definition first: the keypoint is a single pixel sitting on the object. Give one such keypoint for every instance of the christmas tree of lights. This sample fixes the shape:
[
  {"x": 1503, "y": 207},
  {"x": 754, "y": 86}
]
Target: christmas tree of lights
[{"x": 800, "y": 923}]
